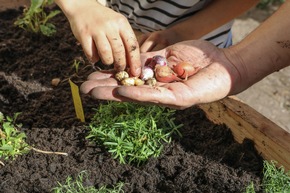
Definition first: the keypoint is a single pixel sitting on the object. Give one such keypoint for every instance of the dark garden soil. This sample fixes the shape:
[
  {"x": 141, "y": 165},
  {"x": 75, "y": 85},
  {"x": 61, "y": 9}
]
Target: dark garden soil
[{"x": 205, "y": 159}]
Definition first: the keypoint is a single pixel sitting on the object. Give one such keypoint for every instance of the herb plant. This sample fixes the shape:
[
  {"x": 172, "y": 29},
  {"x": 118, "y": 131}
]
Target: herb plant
[
  {"x": 35, "y": 19},
  {"x": 132, "y": 132},
  {"x": 12, "y": 140},
  {"x": 250, "y": 188},
  {"x": 274, "y": 179},
  {"x": 78, "y": 186}
]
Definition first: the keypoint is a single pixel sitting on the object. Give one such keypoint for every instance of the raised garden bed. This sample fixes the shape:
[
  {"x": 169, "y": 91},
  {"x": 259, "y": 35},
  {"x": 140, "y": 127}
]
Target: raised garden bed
[{"x": 205, "y": 159}]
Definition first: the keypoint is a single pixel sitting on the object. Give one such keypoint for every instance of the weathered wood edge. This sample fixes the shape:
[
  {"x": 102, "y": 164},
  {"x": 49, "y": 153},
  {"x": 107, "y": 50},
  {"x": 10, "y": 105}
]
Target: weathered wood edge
[
  {"x": 13, "y": 4},
  {"x": 270, "y": 140}
]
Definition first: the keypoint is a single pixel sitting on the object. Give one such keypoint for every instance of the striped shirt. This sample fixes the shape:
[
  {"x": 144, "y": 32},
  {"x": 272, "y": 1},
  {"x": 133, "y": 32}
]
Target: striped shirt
[{"x": 154, "y": 15}]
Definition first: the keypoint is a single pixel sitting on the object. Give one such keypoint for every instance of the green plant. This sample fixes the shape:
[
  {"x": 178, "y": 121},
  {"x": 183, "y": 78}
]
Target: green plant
[
  {"x": 77, "y": 186},
  {"x": 79, "y": 65},
  {"x": 35, "y": 19},
  {"x": 12, "y": 141},
  {"x": 132, "y": 132},
  {"x": 76, "y": 65},
  {"x": 264, "y": 4},
  {"x": 274, "y": 179},
  {"x": 250, "y": 188}
]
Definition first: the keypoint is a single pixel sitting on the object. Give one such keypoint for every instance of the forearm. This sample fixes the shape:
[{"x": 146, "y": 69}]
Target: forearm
[
  {"x": 216, "y": 14},
  {"x": 262, "y": 52}
]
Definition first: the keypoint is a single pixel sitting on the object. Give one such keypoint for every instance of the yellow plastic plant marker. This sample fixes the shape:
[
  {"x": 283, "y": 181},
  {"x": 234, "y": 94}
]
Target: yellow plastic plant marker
[{"x": 77, "y": 101}]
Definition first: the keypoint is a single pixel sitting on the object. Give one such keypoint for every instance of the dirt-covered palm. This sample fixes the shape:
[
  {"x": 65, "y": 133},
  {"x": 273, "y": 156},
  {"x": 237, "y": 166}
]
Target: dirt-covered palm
[{"x": 213, "y": 82}]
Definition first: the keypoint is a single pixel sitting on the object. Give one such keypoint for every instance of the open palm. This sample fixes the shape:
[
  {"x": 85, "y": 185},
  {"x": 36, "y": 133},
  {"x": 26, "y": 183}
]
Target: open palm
[{"x": 213, "y": 81}]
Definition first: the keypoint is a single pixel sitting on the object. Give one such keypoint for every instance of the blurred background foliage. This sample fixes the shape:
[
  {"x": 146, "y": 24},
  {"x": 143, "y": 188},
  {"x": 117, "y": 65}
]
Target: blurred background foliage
[{"x": 264, "y": 4}]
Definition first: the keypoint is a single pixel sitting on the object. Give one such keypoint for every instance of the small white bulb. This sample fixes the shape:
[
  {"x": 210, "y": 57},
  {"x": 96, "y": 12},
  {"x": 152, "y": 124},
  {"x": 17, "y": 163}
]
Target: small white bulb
[{"x": 147, "y": 73}]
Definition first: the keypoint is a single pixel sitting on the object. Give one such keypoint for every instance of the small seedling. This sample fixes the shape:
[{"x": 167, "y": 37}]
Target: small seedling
[
  {"x": 76, "y": 65},
  {"x": 132, "y": 132},
  {"x": 35, "y": 19},
  {"x": 12, "y": 140},
  {"x": 78, "y": 185}
]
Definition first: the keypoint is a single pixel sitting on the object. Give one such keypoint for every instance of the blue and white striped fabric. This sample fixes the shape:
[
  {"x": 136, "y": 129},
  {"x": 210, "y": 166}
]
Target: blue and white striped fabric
[{"x": 153, "y": 15}]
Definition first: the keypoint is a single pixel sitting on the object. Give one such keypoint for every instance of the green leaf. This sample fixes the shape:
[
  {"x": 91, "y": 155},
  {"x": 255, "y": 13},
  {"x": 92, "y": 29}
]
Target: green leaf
[
  {"x": 6, "y": 147},
  {"x": 8, "y": 129},
  {"x": 35, "y": 19},
  {"x": 35, "y": 6},
  {"x": 12, "y": 144},
  {"x": 1, "y": 117},
  {"x": 52, "y": 14},
  {"x": 49, "y": 2},
  {"x": 48, "y": 29},
  {"x": 21, "y": 135}
]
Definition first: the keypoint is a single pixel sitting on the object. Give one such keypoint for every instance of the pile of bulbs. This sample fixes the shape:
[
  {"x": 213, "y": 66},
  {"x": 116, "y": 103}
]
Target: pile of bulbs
[{"x": 158, "y": 70}]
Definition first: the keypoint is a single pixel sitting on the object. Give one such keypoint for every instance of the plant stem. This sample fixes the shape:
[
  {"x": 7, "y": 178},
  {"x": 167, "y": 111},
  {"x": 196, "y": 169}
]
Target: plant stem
[
  {"x": 49, "y": 152},
  {"x": 1, "y": 163}
]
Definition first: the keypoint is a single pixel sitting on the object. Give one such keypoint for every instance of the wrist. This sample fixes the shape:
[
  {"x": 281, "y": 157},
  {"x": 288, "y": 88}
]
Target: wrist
[
  {"x": 70, "y": 7},
  {"x": 239, "y": 72}
]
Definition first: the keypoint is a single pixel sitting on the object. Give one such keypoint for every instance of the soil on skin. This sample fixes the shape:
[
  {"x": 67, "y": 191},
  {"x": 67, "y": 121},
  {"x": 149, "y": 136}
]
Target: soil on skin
[{"x": 205, "y": 159}]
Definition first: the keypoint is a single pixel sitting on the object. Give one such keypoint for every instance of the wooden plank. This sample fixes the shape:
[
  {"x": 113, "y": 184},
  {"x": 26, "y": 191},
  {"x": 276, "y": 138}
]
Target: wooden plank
[
  {"x": 270, "y": 140},
  {"x": 12, "y": 4}
]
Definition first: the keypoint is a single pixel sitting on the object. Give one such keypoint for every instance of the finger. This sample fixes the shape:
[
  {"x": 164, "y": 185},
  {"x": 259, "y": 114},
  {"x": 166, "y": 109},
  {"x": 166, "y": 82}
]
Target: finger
[
  {"x": 104, "y": 49},
  {"x": 105, "y": 93},
  {"x": 158, "y": 47},
  {"x": 156, "y": 95},
  {"x": 133, "y": 52},
  {"x": 108, "y": 93},
  {"x": 111, "y": 94},
  {"x": 141, "y": 39},
  {"x": 147, "y": 45},
  {"x": 89, "y": 48},
  {"x": 89, "y": 85},
  {"x": 119, "y": 53},
  {"x": 104, "y": 74},
  {"x": 139, "y": 35}
]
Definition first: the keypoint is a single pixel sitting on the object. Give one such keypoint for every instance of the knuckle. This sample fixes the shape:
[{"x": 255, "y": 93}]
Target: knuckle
[
  {"x": 107, "y": 61},
  {"x": 119, "y": 50},
  {"x": 104, "y": 50},
  {"x": 106, "y": 58},
  {"x": 119, "y": 67},
  {"x": 122, "y": 20}
]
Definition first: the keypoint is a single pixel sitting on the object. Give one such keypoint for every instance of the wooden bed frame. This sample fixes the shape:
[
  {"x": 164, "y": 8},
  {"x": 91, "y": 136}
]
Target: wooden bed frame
[{"x": 270, "y": 140}]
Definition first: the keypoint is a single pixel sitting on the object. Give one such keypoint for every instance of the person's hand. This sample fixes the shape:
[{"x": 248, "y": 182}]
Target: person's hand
[
  {"x": 105, "y": 34},
  {"x": 213, "y": 82},
  {"x": 158, "y": 40}
]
